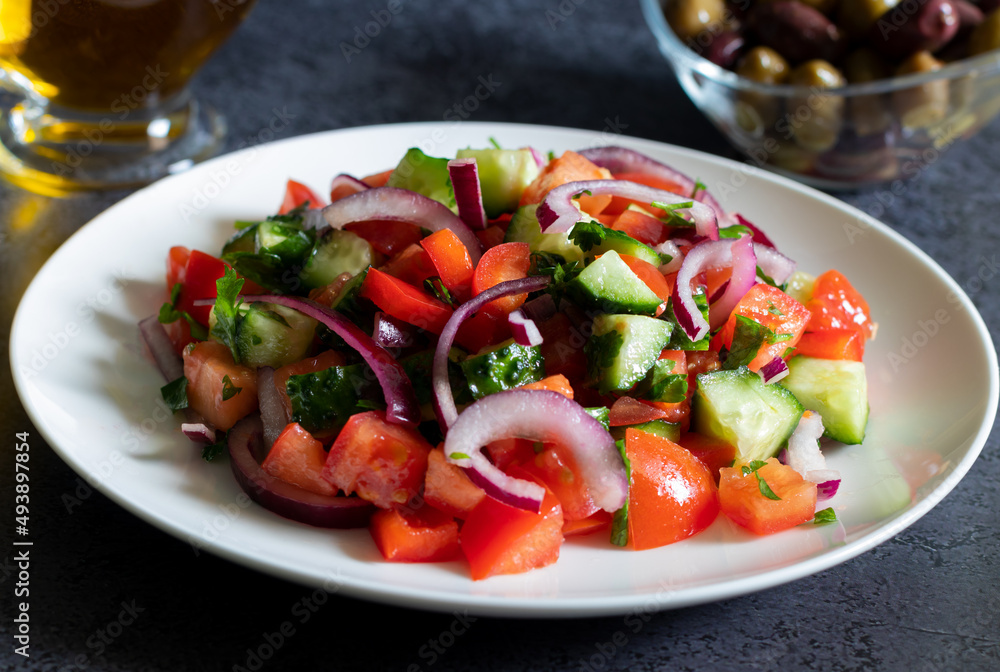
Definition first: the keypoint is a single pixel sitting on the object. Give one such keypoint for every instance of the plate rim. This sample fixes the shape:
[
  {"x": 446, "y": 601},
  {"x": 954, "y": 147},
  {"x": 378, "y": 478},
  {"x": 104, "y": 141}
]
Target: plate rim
[{"x": 491, "y": 604}]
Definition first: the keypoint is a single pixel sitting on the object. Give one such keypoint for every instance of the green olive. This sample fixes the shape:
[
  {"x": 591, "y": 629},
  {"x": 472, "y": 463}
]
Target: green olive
[
  {"x": 691, "y": 18},
  {"x": 924, "y": 105},
  {"x": 857, "y": 17},
  {"x": 986, "y": 36},
  {"x": 868, "y": 114},
  {"x": 815, "y": 119},
  {"x": 764, "y": 65}
]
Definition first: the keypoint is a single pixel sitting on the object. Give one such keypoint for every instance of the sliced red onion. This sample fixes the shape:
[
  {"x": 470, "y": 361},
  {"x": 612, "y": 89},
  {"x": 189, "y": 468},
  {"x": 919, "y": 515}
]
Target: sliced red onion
[
  {"x": 400, "y": 205},
  {"x": 392, "y": 333},
  {"x": 345, "y": 181},
  {"x": 758, "y": 235},
  {"x": 827, "y": 489},
  {"x": 401, "y": 400},
  {"x": 669, "y": 247},
  {"x": 313, "y": 219},
  {"x": 525, "y": 331},
  {"x": 199, "y": 432},
  {"x": 805, "y": 457},
  {"x": 774, "y": 263},
  {"x": 773, "y": 371},
  {"x": 273, "y": 413},
  {"x": 622, "y": 160},
  {"x": 537, "y": 156},
  {"x": 540, "y": 308},
  {"x": 719, "y": 292},
  {"x": 737, "y": 253},
  {"x": 464, "y": 174},
  {"x": 558, "y": 212},
  {"x": 540, "y": 415},
  {"x": 288, "y": 500},
  {"x": 170, "y": 364},
  {"x": 444, "y": 401}
]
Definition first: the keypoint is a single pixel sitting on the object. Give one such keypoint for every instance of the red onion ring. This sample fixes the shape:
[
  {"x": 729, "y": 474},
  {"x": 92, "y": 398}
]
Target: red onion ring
[
  {"x": 540, "y": 308},
  {"x": 401, "y": 400},
  {"x": 736, "y": 252},
  {"x": 774, "y": 263},
  {"x": 464, "y": 174},
  {"x": 400, "y": 205},
  {"x": 199, "y": 432},
  {"x": 758, "y": 235},
  {"x": 170, "y": 364},
  {"x": 525, "y": 331},
  {"x": 348, "y": 181},
  {"x": 273, "y": 413},
  {"x": 557, "y": 213},
  {"x": 773, "y": 371},
  {"x": 444, "y": 401},
  {"x": 622, "y": 160},
  {"x": 541, "y": 415},
  {"x": 669, "y": 247},
  {"x": 827, "y": 489},
  {"x": 284, "y": 498},
  {"x": 392, "y": 333}
]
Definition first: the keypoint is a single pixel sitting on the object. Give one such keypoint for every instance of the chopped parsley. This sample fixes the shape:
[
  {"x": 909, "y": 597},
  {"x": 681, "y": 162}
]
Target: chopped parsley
[
  {"x": 827, "y": 515},
  {"x": 619, "y": 524},
  {"x": 227, "y": 310},
  {"x": 674, "y": 218},
  {"x": 588, "y": 235},
  {"x": 601, "y": 350},
  {"x": 435, "y": 287},
  {"x": 229, "y": 390},
  {"x": 762, "y": 485},
  {"x": 170, "y": 313},
  {"x": 213, "y": 450},
  {"x": 175, "y": 394}
]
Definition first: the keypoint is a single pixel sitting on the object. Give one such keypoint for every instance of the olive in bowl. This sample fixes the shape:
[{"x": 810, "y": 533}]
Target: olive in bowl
[{"x": 837, "y": 93}]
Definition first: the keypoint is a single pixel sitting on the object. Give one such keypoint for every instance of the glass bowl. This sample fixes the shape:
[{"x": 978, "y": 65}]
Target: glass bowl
[{"x": 843, "y": 138}]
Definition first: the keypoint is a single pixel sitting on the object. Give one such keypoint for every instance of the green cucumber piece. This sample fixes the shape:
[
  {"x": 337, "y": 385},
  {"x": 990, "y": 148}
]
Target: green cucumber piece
[
  {"x": 335, "y": 253},
  {"x": 426, "y": 175},
  {"x": 609, "y": 285},
  {"x": 739, "y": 408},
  {"x": 242, "y": 241},
  {"x": 596, "y": 239},
  {"x": 503, "y": 176},
  {"x": 836, "y": 389},
  {"x": 661, "y": 384},
  {"x": 600, "y": 413},
  {"x": 623, "y": 348},
  {"x": 272, "y": 335},
  {"x": 524, "y": 228},
  {"x": 504, "y": 367},
  {"x": 800, "y": 286}
]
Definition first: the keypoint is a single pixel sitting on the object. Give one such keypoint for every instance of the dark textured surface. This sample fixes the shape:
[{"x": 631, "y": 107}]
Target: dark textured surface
[{"x": 926, "y": 601}]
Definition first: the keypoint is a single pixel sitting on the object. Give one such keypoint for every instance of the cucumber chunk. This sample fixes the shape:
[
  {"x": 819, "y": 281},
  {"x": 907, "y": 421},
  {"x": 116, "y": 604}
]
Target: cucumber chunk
[
  {"x": 335, "y": 253},
  {"x": 737, "y": 407},
  {"x": 610, "y": 286},
  {"x": 524, "y": 228},
  {"x": 623, "y": 348},
  {"x": 596, "y": 239},
  {"x": 426, "y": 175},
  {"x": 272, "y": 335},
  {"x": 505, "y": 367},
  {"x": 836, "y": 389},
  {"x": 242, "y": 241},
  {"x": 661, "y": 428},
  {"x": 503, "y": 176}
]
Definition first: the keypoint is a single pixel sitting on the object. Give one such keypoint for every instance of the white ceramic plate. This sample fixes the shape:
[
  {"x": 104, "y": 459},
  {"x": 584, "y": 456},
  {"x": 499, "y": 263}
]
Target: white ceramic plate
[{"x": 93, "y": 392}]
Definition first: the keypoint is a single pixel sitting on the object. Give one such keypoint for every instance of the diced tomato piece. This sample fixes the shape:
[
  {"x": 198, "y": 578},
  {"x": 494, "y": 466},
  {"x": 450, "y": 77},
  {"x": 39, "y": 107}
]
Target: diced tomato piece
[
  {"x": 412, "y": 265},
  {"x": 452, "y": 261},
  {"x": 644, "y": 228},
  {"x": 649, "y": 274},
  {"x": 846, "y": 344},
  {"x": 383, "y": 462},
  {"x": 200, "y": 274},
  {"x": 557, "y": 383},
  {"x": 672, "y": 494},
  {"x": 599, "y": 520},
  {"x": 774, "y": 309},
  {"x": 424, "y": 535},
  {"x": 715, "y": 279},
  {"x": 562, "y": 348},
  {"x": 677, "y": 412},
  {"x": 177, "y": 260},
  {"x": 746, "y": 505},
  {"x": 490, "y": 237},
  {"x": 500, "y": 539},
  {"x": 835, "y": 304},
  {"x": 207, "y": 365},
  {"x": 629, "y": 411},
  {"x": 297, "y": 194},
  {"x": 619, "y": 204},
  {"x": 298, "y": 458},
  {"x": 555, "y": 467},
  {"x": 387, "y": 236},
  {"x": 505, "y": 452},
  {"x": 329, "y": 293},
  {"x": 715, "y": 453},
  {"x": 321, "y": 362},
  {"x": 448, "y": 489},
  {"x": 404, "y": 301},
  {"x": 605, "y": 219},
  {"x": 570, "y": 167},
  {"x": 483, "y": 330},
  {"x": 378, "y": 179},
  {"x": 507, "y": 261}
]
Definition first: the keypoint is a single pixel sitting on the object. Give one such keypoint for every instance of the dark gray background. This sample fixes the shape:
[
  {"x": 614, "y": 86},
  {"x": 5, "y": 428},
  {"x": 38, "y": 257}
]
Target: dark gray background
[{"x": 928, "y": 600}]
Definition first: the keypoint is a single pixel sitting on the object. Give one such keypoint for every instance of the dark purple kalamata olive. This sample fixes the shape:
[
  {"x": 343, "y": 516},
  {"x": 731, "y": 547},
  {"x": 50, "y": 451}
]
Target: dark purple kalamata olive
[
  {"x": 725, "y": 49},
  {"x": 796, "y": 31},
  {"x": 910, "y": 27}
]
